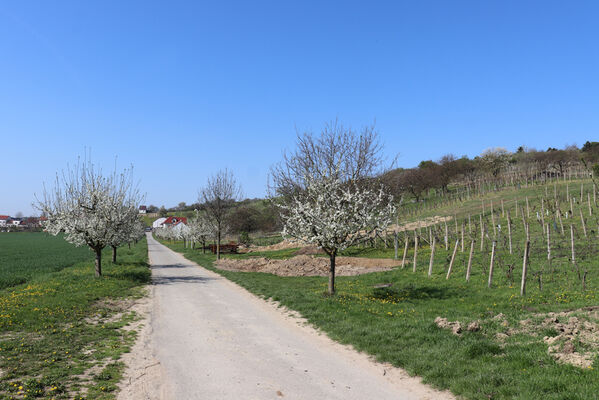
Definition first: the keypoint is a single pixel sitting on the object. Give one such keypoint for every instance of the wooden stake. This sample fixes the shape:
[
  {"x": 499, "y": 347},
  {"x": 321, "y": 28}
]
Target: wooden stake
[
  {"x": 405, "y": 251},
  {"x": 446, "y": 237},
  {"x": 482, "y": 233},
  {"x": 572, "y": 244},
  {"x": 509, "y": 230},
  {"x": 455, "y": 249},
  {"x": 492, "y": 264},
  {"x": 584, "y": 227},
  {"x": 524, "y": 269},
  {"x": 470, "y": 261},
  {"x": 415, "y": 251},
  {"x": 527, "y": 208},
  {"x": 430, "y": 264},
  {"x": 502, "y": 210},
  {"x": 395, "y": 244},
  {"x": 589, "y": 203},
  {"x": 548, "y": 243},
  {"x": 463, "y": 228},
  {"x": 469, "y": 225}
]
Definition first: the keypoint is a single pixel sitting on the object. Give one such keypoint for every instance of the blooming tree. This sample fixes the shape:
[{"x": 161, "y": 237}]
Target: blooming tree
[
  {"x": 200, "y": 229},
  {"x": 335, "y": 215},
  {"x": 90, "y": 208}
]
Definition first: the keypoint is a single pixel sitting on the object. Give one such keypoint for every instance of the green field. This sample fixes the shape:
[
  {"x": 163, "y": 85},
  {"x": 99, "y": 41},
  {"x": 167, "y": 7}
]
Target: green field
[
  {"x": 513, "y": 354},
  {"x": 61, "y": 332},
  {"x": 26, "y": 255}
]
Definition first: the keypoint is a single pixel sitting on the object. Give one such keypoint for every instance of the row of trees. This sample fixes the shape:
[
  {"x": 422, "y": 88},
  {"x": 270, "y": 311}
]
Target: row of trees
[
  {"x": 93, "y": 209},
  {"x": 492, "y": 165}
]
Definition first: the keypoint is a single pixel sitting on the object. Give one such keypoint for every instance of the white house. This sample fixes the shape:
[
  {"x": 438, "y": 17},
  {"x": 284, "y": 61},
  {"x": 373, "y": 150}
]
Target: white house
[
  {"x": 4, "y": 220},
  {"x": 158, "y": 223}
]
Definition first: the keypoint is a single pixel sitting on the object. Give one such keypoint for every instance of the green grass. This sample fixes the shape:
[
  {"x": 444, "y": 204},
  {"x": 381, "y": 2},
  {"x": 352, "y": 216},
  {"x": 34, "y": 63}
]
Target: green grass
[
  {"x": 26, "y": 255},
  {"x": 61, "y": 333},
  {"x": 396, "y": 324}
]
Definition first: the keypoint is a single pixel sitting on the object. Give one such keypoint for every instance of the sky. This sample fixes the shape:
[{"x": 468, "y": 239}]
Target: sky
[{"x": 182, "y": 89}]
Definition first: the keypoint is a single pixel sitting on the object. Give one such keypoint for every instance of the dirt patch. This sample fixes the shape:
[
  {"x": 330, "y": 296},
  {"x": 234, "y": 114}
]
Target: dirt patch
[
  {"x": 143, "y": 377},
  {"x": 309, "y": 250},
  {"x": 572, "y": 337},
  {"x": 410, "y": 226},
  {"x": 284, "y": 245},
  {"x": 305, "y": 265}
]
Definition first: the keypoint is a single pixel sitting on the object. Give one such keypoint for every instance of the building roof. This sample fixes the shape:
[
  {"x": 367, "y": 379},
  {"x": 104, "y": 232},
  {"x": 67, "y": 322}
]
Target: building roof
[
  {"x": 175, "y": 220},
  {"x": 4, "y": 217}
]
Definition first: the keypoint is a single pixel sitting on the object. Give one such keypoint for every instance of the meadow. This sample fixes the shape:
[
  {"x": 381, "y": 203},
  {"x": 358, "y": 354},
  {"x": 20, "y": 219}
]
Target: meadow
[
  {"x": 62, "y": 330},
  {"x": 481, "y": 338}
]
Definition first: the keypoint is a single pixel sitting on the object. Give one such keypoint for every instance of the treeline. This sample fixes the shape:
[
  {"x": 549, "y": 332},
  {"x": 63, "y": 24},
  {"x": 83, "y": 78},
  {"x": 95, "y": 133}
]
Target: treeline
[{"x": 495, "y": 166}]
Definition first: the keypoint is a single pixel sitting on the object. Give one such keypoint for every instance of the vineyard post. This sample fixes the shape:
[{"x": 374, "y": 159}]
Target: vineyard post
[
  {"x": 548, "y": 243},
  {"x": 516, "y": 208},
  {"x": 463, "y": 228},
  {"x": 432, "y": 260},
  {"x": 395, "y": 244},
  {"x": 455, "y": 249},
  {"x": 589, "y": 203},
  {"x": 446, "y": 237},
  {"x": 561, "y": 223},
  {"x": 584, "y": 227},
  {"x": 415, "y": 251},
  {"x": 482, "y": 233},
  {"x": 524, "y": 269},
  {"x": 405, "y": 250},
  {"x": 469, "y": 269},
  {"x": 572, "y": 244},
  {"x": 509, "y": 230},
  {"x": 492, "y": 264},
  {"x": 469, "y": 225},
  {"x": 493, "y": 221},
  {"x": 527, "y": 208},
  {"x": 502, "y": 209}
]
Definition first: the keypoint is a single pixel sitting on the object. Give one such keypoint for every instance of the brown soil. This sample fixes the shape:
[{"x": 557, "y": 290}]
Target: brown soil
[
  {"x": 285, "y": 244},
  {"x": 576, "y": 338},
  {"x": 305, "y": 265}
]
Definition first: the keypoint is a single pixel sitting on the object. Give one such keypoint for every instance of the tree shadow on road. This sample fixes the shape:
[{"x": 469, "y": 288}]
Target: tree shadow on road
[{"x": 170, "y": 280}]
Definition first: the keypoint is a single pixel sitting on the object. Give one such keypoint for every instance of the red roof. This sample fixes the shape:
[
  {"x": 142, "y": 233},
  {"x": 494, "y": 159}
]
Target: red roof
[
  {"x": 4, "y": 217},
  {"x": 174, "y": 220}
]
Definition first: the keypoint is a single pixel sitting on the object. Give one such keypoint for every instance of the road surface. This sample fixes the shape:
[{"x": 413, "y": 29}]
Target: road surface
[{"x": 214, "y": 340}]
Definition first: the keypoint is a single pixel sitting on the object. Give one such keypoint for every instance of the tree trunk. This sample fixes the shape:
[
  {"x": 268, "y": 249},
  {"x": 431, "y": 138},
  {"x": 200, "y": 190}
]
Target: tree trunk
[
  {"x": 332, "y": 274},
  {"x": 98, "y": 262},
  {"x": 218, "y": 245},
  {"x": 113, "y": 254}
]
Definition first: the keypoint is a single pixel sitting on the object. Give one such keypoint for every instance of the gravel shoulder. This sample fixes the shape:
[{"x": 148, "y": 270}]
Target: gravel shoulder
[{"x": 206, "y": 337}]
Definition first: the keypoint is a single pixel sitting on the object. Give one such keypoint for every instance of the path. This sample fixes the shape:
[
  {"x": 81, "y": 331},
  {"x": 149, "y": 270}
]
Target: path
[{"x": 214, "y": 340}]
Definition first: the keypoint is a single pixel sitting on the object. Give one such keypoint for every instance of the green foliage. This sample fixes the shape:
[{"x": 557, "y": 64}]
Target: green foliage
[{"x": 244, "y": 238}]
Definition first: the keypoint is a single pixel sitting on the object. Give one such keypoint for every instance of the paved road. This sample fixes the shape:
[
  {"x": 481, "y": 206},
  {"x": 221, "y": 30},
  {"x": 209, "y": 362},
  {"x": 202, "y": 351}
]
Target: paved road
[{"x": 214, "y": 340}]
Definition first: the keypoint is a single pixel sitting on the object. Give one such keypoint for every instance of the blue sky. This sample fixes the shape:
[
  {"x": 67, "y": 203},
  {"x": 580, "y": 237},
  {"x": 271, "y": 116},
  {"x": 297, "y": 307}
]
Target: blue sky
[{"x": 182, "y": 89}]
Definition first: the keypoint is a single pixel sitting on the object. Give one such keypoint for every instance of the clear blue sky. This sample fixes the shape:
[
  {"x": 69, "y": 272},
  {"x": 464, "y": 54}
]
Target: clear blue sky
[{"x": 182, "y": 89}]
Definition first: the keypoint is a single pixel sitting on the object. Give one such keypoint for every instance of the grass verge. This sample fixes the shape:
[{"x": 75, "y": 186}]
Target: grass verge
[{"x": 62, "y": 333}]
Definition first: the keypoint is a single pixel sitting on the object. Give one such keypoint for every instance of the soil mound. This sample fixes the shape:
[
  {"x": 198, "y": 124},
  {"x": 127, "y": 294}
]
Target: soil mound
[{"x": 305, "y": 265}]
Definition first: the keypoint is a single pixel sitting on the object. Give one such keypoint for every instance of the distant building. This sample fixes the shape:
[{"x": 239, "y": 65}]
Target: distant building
[
  {"x": 143, "y": 209},
  {"x": 174, "y": 221},
  {"x": 158, "y": 223},
  {"x": 4, "y": 220}
]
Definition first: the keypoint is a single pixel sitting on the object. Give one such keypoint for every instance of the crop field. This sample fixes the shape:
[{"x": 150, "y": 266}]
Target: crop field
[
  {"x": 62, "y": 331},
  {"x": 483, "y": 332},
  {"x": 26, "y": 255}
]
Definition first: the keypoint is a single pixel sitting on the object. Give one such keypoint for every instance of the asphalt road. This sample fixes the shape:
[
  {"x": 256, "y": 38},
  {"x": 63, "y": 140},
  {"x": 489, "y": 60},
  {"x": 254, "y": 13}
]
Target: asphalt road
[{"x": 214, "y": 340}]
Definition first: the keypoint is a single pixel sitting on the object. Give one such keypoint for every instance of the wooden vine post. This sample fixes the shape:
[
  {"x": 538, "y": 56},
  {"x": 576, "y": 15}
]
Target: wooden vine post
[
  {"x": 509, "y": 231},
  {"x": 492, "y": 263},
  {"x": 405, "y": 251},
  {"x": 469, "y": 269},
  {"x": 432, "y": 260},
  {"x": 455, "y": 249},
  {"x": 584, "y": 227},
  {"x": 524, "y": 268},
  {"x": 415, "y": 251},
  {"x": 572, "y": 244},
  {"x": 395, "y": 244}
]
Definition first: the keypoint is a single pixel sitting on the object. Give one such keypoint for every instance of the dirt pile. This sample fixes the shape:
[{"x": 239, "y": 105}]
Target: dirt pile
[
  {"x": 573, "y": 335},
  {"x": 305, "y": 265},
  {"x": 285, "y": 244}
]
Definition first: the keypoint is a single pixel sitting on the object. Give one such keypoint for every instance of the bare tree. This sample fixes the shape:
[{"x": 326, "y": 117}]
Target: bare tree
[
  {"x": 338, "y": 152},
  {"x": 217, "y": 198}
]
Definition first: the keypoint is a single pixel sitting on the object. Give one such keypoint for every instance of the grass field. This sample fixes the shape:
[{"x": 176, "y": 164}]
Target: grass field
[
  {"x": 61, "y": 332},
  {"x": 508, "y": 356},
  {"x": 26, "y": 255}
]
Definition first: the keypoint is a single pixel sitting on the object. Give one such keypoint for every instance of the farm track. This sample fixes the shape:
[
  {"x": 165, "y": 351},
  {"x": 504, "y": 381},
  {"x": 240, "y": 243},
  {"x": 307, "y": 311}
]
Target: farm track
[{"x": 212, "y": 339}]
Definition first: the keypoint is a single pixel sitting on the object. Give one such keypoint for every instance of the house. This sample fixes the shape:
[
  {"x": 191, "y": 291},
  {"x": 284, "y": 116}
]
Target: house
[
  {"x": 16, "y": 221},
  {"x": 4, "y": 220},
  {"x": 143, "y": 209},
  {"x": 174, "y": 221},
  {"x": 158, "y": 223}
]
